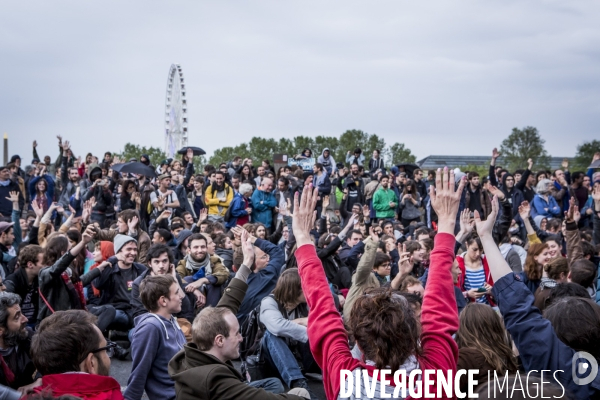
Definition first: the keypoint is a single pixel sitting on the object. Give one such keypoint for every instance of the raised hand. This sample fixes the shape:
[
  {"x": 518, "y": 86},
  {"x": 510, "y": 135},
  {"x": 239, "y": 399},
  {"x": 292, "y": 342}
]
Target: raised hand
[
  {"x": 34, "y": 144},
  {"x": 87, "y": 211},
  {"x": 88, "y": 235},
  {"x": 445, "y": 200},
  {"x": 496, "y": 192},
  {"x": 203, "y": 215},
  {"x": 132, "y": 223},
  {"x": 66, "y": 145},
  {"x": 404, "y": 265},
  {"x": 366, "y": 211},
  {"x": 247, "y": 249},
  {"x": 565, "y": 163},
  {"x": 325, "y": 202},
  {"x": 72, "y": 210},
  {"x": 304, "y": 215},
  {"x": 524, "y": 210},
  {"x": 495, "y": 153},
  {"x": 190, "y": 154},
  {"x": 373, "y": 235},
  {"x": 572, "y": 215},
  {"x": 14, "y": 198},
  {"x": 484, "y": 228},
  {"x": 353, "y": 218},
  {"x": 39, "y": 211},
  {"x": 529, "y": 164},
  {"x": 465, "y": 225},
  {"x": 237, "y": 231}
]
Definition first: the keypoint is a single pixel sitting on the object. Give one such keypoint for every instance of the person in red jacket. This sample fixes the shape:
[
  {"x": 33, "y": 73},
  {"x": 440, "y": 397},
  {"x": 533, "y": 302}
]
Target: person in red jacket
[
  {"x": 70, "y": 360},
  {"x": 395, "y": 322}
]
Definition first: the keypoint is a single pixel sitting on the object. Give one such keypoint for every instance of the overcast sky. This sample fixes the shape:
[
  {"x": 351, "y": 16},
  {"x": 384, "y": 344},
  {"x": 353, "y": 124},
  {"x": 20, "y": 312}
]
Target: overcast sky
[{"x": 443, "y": 77}]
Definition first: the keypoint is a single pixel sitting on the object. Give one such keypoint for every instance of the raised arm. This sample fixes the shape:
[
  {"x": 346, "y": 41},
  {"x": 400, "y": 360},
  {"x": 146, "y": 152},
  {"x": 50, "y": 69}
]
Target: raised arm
[{"x": 574, "y": 248}]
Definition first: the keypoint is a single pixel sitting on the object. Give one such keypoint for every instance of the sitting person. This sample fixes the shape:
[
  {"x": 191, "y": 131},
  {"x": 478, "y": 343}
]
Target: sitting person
[
  {"x": 285, "y": 342},
  {"x": 203, "y": 368},
  {"x": 73, "y": 357},
  {"x": 201, "y": 271}
]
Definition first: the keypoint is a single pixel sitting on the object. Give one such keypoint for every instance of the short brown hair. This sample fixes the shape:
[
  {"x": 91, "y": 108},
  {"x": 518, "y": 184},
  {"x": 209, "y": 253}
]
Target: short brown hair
[
  {"x": 127, "y": 215},
  {"x": 29, "y": 253},
  {"x": 288, "y": 287},
  {"x": 152, "y": 288},
  {"x": 208, "y": 324},
  {"x": 409, "y": 281},
  {"x": 413, "y": 246},
  {"x": 63, "y": 340},
  {"x": 557, "y": 266}
]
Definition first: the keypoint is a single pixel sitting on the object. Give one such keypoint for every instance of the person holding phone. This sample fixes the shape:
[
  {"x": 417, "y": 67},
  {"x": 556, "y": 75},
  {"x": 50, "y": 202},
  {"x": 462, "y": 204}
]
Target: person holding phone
[{"x": 475, "y": 279}]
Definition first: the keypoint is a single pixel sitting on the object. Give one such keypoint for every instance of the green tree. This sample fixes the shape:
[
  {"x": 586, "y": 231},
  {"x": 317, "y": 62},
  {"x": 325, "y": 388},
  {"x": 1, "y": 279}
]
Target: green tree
[
  {"x": 521, "y": 145},
  {"x": 131, "y": 150},
  {"x": 584, "y": 155},
  {"x": 398, "y": 153},
  {"x": 482, "y": 170}
]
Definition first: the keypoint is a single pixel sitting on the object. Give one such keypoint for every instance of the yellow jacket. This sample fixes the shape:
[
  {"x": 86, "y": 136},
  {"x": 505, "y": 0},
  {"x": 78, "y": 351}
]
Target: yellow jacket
[{"x": 214, "y": 203}]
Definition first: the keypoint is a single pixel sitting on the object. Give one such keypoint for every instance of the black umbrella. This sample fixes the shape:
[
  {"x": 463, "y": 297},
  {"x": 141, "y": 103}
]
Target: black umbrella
[
  {"x": 408, "y": 168},
  {"x": 197, "y": 150},
  {"x": 135, "y": 167}
]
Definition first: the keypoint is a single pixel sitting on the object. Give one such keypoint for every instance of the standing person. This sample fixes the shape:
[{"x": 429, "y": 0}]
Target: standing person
[
  {"x": 376, "y": 162},
  {"x": 69, "y": 177},
  {"x": 385, "y": 200},
  {"x": 428, "y": 345},
  {"x": 544, "y": 204},
  {"x": 420, "y": 183},
  {"x": 476, "y": 197},
  {"x": 241, "y": 208},
  {"x": 218, "y": 197},
  {"x": 41, "y": 190},
  {"x": 327, "y": 161},
  {"x": 263, "y": 204},
  {"x": 163, "y": 197},
  {"x": 527, "y": 183},
  {"x": 73, "y": 357},
  {"x": 409, "y": 204},
  {"x": 6, "y": 187},
  {"x": 156, "y": 338},
  {"x": 354, "y": 187},
  {"x": 17, "y": 369}
]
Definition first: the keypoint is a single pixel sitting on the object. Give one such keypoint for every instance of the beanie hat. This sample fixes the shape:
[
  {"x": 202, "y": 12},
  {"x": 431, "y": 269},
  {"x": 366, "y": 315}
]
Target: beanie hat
[
  {"x": 15, "y": 158},
  {"x": 122, "y": 240}
]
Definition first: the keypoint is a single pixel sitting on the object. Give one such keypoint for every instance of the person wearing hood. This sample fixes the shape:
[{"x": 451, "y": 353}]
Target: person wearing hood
[
  {"x": 7, "y": 185},
  {"x": 201, "y": 270},
  {"x": 156, "y": 338},
  {"x": 326, "y": 159},
  {"x": 100, "y": 189},
  {"x": 512, "y": 193}
]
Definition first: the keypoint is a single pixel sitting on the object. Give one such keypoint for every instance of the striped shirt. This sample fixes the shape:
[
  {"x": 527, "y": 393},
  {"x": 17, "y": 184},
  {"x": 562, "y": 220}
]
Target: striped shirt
[{"x": 475, "y": 279}]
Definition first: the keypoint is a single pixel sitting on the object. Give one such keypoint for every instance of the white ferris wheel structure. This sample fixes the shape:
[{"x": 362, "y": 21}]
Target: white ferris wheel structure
[{"x": 176, "y": 121}]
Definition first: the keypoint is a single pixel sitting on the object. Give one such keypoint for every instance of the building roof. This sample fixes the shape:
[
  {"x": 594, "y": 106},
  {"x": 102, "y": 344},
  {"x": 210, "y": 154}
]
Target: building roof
[{"x": 434, "y": 161}]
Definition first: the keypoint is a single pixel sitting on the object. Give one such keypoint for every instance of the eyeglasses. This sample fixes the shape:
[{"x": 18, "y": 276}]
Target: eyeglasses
[{"x": 110, "y": 350}]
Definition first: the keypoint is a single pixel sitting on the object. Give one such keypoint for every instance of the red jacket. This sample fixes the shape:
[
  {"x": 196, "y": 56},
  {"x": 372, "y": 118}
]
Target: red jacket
[
  {"x": 486, "y": 271},
  {"x": 327, "y": 336},
  {"x": 86, "y": 386}
]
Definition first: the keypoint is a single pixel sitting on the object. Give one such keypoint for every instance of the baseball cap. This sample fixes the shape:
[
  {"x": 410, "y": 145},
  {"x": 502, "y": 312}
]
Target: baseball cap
[{"x": 5, "y": 225}]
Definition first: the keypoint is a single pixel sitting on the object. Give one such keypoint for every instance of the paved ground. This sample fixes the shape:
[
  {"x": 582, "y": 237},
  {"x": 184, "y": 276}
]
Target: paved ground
[{"x": 120, "y": 370}]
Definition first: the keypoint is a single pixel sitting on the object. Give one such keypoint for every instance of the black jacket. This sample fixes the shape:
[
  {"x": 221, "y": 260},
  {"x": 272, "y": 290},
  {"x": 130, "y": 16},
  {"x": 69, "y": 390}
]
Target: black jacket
[
  {"x": 20, "y": 364},
  {"x": 17, "y": 283},
  {"x": 107, "y": 282}
]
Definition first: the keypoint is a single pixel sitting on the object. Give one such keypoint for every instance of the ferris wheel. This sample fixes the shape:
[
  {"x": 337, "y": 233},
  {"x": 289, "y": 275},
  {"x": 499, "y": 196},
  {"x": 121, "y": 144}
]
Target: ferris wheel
[{"x": 176, "y": 131}]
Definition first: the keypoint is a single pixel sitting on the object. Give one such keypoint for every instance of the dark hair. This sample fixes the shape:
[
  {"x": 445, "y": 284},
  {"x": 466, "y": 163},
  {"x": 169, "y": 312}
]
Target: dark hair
[
  {"x": 63, "y": 340},
  {"x": 589, "y": 250},
  {"x": 409, "y": 280},
  {"x": 472, "y": 175},
  {"x": 209, "y": 323},
  {"x": 158, "y": 249},
  {"x": 381, "y": 258},
  {"x": 165, "y": 234},
  {"x": 379, "y": 318},
  {"x": 413, "y": 246},
  {"x": 152, "y": 288},
  {"x": 29, "y": 253},
  {"x": 7, "y": 300},
  {"x": 127, "y": 215},
  {"x": 576, "y": 322},
  {"x": 197, "y": 236},
  {"x": 176, "y": 225},
  {"x": 352, "y": 232},
  {"x": 583, "y": 272},
  {"x": 288, "y": 287},
  {"x": 413, "y": 189},
  {"x": 55, "y": 249},
  {"x": 220, "y": 240},
  {"x": 557, "y": 266},
  {"x": 576, "y": 175},
  {"x": 567, "y": 289}
]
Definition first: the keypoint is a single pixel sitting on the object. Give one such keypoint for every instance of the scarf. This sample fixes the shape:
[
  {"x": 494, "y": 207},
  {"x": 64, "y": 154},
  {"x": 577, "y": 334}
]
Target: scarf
[
  {"x": 217, "y": 188},
  {"x": 195, "y": 266},
  {"x": 75, "y": 291},
  {"x": 5, "y": 183},
  {"x": 548, "y": 283},
  {"x": 8, "y": 374}
]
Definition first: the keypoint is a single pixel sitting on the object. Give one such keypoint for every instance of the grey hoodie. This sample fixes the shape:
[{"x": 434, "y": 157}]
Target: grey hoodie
[
  {"x": 328, "y": 163},
  {"x": 154, "y": 342}
]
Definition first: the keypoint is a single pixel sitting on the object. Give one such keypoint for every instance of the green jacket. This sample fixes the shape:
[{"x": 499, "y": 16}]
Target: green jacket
[
  {"x": 199, "y": 375},
  {"x": 381, "y": 201}
]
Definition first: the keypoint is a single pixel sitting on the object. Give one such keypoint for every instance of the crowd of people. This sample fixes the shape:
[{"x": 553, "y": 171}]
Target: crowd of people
[{"x": 295, "y": 274}]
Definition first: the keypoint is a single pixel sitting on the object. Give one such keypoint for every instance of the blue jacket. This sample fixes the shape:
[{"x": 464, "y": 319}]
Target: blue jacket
[
  {"x": 154, "y": 342},
  {"x": 263, "y": 212},
  {"x": 539, "y": 204},
  {"x": 323, "y": 184},
  {"x": 238, "y": 209},
  {"x": 538, "y": 345},
  {"x": 262, "y": 283}
]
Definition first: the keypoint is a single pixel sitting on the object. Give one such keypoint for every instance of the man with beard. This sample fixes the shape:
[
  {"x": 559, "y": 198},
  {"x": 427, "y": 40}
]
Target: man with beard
[
  {"x": 15, "y": 341},
  {"x": 354, "y": 186},
  {"x": 160, "y": 262},
  {"x": 156, "y": 338},
  {"x": 218, "y": 197},
  {"x": 475, "y": 197},
  {"x": 202, "y": 271},
  {"x": 73, "y": 357},
  {"x": 116, "y": 281},
  {"x": 385, "y": 200},
  {"x": 24, "y": 281},
  {"x": 69, "y": 177}
]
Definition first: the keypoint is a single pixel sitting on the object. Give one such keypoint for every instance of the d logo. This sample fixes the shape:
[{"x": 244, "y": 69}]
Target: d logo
[{"x": 588, "y": 367}]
